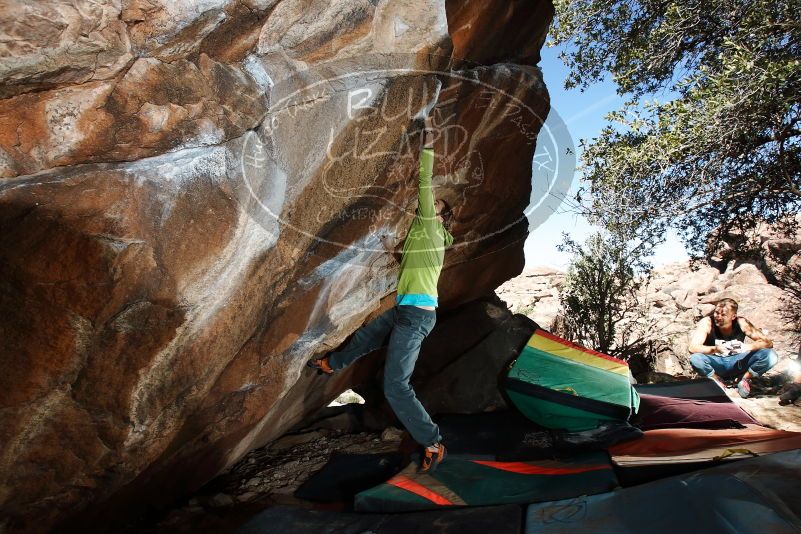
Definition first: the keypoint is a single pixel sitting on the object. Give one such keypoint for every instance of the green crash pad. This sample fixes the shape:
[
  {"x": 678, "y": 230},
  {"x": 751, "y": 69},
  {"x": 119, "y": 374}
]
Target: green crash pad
[
  {"x": 474, "y": 482},
  {"x": 560, "y": 385}
]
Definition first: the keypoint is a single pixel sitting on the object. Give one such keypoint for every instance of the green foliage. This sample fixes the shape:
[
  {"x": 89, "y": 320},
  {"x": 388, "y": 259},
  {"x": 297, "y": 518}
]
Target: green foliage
[
  {"x": 525, "y": 310},
  {"x": 721, "y": 156},
  {"x": 600, "y": 293},
  {"x": 791, "y": 311}
]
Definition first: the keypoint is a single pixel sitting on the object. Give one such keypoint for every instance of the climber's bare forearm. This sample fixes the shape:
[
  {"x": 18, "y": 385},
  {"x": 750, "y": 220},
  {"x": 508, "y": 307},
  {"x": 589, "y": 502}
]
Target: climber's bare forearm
[{"x": 428, "y": 133}]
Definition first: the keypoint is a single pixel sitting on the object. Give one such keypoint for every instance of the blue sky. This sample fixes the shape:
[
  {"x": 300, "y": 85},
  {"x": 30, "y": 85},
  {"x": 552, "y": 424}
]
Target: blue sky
[{"x": 583, "y": 113}]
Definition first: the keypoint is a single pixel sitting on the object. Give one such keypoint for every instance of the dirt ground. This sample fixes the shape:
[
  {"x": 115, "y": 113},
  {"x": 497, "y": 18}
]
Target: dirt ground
[
  {"x": 763, "y": 404},
  {"x": 267, "y": 477}
]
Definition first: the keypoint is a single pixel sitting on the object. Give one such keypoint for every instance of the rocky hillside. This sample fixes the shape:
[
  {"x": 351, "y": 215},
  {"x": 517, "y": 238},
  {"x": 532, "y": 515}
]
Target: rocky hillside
[
  {"x": 191, "y": 195},
  {"x": 534, "y": 293},
  {"x": 676, "y": 297}
]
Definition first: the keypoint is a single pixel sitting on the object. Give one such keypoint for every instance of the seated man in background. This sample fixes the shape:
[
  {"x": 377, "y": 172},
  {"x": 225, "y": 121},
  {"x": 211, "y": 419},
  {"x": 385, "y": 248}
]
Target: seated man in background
[{"x": 719, "y": 350}]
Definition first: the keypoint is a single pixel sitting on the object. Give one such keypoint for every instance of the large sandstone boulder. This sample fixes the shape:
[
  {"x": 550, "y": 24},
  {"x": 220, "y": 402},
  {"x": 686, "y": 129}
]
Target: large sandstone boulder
[{"x": 191, "y": 195}]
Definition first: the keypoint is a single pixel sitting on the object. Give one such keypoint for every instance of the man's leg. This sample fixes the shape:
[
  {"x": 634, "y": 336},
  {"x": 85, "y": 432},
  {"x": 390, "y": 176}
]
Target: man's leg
[
  {"x": 702, "y": 364},
  {"x": 751, "y": 364},
  {"x": 366, "y": 339},
  {"x": 713, "y": 366},
  {"x": 761, "y": 360},
  {"x": 411, "y": 327}
]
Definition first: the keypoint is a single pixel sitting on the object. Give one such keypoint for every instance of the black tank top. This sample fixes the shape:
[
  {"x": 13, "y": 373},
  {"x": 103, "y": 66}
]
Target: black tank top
[{"x": 714, "y": 334}]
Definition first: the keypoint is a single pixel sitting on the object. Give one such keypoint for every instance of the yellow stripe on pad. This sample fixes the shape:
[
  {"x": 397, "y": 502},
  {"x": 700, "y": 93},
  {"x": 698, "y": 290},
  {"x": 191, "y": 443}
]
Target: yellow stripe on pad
[{"x": 561, "y": 350}]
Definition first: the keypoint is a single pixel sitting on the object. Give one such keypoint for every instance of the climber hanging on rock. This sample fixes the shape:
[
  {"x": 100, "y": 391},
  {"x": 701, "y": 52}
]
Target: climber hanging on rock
[{"x": 414, "y": 314}]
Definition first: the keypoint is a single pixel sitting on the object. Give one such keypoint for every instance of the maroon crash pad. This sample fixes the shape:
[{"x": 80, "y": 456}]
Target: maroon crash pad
[{"x": 666, "y": 412}]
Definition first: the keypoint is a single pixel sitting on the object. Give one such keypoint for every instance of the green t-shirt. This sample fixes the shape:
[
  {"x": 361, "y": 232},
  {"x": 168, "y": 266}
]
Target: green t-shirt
[{"x": 424, "y": 247}]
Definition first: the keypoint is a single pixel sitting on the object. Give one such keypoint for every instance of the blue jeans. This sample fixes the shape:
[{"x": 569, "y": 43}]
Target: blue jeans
[
  {"x": 406, "y": 326},
  {"x": 756, "y": 361}
]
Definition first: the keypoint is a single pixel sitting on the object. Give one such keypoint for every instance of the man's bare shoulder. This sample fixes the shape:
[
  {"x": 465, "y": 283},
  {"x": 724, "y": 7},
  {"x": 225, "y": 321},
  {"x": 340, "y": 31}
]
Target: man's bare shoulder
[
  {"x": 748, "y": 327},
  {"x": 705, "y": 322},
  {"x": 702, "y": 328},
  {"x": 699, "y": 334}
]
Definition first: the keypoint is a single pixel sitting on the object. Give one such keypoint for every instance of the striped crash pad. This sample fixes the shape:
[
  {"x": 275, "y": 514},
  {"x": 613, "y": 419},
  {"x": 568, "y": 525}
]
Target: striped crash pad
[
  {"x": 558, "y": 384},
  {"x": 470, "y": 482},
  {"x": 758, "y": 495},
  {"x": 687, "y": 445},
  {"x": 673, "y": 451}
]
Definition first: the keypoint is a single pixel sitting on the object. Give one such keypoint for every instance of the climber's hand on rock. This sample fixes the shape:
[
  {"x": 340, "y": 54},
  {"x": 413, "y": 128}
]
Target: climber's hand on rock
[{"x": 387, "y": 241}]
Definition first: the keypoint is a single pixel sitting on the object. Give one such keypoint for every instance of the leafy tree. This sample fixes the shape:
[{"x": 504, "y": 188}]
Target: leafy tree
[
  {"x": 600, "y": 299},
  {"x": 723, "y": 152},
  {"x": 791, "y": 311}
]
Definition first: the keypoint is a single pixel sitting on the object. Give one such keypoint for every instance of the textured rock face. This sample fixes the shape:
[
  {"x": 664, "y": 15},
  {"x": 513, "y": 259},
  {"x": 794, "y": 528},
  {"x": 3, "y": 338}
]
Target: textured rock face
[
  {"x": 771, "y": 247},
  {"x": 472, "y": 382},
  {"x": 50, "y": 43},
  {"x": 677, "y": 297},
  {"x": 190, "y": 198}
]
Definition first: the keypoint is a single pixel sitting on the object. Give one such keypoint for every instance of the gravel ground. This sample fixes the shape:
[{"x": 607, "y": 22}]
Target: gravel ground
[{"x": 265, "y": 477}]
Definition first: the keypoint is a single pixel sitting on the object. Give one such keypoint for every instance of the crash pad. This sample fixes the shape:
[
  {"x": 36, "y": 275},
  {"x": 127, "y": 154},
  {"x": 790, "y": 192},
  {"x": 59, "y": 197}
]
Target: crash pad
[
  {"x": 507, "y": 519},
  {"x": 345, "y": 475},
  {"x": 677, "y": 445},
  {"x": 666, "y": 452},
  {"x": 474, "y": 482},
  {"x": 698, "y": 389},
  {"x": 510, "y": 436},
  {"x": 668, "y": 412},
  {"x": 756, "y": 496},
  {"x": 561, "y": 385}
]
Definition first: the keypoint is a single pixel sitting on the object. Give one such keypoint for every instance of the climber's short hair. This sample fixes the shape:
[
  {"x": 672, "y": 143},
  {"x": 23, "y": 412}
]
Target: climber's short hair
[{"x": 727, "y": 303}]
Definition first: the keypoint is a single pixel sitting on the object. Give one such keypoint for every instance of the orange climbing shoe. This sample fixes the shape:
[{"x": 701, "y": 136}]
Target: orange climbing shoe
[
  {"x": 321, "y": 365},
  {"x": 432, "y": 458}
]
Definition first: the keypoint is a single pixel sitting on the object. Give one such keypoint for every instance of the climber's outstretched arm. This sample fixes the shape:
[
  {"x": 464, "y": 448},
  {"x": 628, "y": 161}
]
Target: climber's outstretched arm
[{"x": 425, "y": 192}]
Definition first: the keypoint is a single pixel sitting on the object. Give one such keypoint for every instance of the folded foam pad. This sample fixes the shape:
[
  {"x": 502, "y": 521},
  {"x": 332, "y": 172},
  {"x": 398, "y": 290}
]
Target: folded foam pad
[
  {"x": 667, "y": 412},
  {"x": 691, "y": 444},
  {"x": 671, "y": 451},
  {"x": 345, "y": 475},
  {"x": 698, "y": 389},
  {"x": 506, "y": 519},
  {"x": 470, "y": 482},
  {"x": 752, "y": 496},
  {"x": 560, "y": 385}
]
